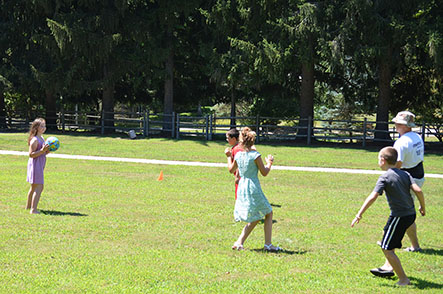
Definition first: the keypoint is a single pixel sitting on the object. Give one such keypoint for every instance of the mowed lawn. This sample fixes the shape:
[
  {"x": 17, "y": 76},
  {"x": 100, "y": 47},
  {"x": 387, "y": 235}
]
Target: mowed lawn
[{"x": 110, "y": 227}]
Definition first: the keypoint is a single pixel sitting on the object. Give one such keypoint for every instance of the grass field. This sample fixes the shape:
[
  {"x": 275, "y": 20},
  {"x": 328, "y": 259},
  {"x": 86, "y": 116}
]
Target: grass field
[{"x": 110, "y": 227}]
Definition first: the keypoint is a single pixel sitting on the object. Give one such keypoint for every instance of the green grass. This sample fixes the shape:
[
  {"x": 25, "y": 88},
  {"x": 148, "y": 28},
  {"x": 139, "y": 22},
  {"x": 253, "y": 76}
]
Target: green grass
[
  {"x": 111, "y": 227},
  {"x": 212, "y": 151}
]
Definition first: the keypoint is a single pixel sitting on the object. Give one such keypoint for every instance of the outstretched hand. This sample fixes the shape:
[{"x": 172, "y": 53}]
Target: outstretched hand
[
  {"x": 269, "y": 159},
  {"x": 355, "y": 221}
]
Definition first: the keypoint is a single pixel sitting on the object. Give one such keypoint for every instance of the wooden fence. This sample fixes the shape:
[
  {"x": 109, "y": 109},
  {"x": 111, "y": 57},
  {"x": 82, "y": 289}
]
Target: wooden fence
[{"x": 210, "y": 127}]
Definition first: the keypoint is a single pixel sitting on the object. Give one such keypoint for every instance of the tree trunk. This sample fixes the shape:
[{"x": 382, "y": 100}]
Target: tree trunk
[
  {"x": 384, "y": 97},
  {"x": 108, "y": 100},
  {"x": 306, "y": 96},
  {"x": 233, "y": 107},
  {"x": 51, "y": 111},
  {"x": 2, "y": 110},
  {"x": 168, "y": 107}
]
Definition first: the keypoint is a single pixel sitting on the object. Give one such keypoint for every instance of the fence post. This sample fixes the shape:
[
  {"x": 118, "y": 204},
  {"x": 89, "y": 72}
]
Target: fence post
[
  {"x": 206, "y": 126},
  {"x": 177, "y": 135},
  {"x": 210, "y": 127},
  {"x": 76, "y": 114},
  {"x": 173, "y": 125},
  {"x": 63, "y": 120},
  {"x": 103, "y": 122},
  {"x": 257, "y": 126},
  {"x": 144, "y": 123},
  {"x": 423, "y": 131},
  {"x": 365, "y": 121},
  {"x": 214, "y": 122},
  {"x": 147, "y": 123},
  {"x": 309, "y": 130}
]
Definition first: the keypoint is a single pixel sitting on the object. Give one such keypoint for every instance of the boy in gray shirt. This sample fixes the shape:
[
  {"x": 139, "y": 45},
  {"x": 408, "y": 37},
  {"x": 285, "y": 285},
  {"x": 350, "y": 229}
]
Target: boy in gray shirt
[{"x": 397, "y": 184}]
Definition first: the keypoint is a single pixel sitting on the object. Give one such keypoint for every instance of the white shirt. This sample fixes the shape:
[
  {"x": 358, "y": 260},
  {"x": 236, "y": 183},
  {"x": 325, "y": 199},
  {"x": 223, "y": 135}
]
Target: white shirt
[{"x": 411, "y": 149}]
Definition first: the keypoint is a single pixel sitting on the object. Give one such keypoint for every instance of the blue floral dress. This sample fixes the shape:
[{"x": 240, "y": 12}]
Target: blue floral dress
[{"x": 251, "y": 204}]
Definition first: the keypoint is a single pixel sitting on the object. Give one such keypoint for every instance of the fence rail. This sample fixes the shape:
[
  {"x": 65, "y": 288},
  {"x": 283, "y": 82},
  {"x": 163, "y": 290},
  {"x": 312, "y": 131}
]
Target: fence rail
[{"x": 210, "y": 127}]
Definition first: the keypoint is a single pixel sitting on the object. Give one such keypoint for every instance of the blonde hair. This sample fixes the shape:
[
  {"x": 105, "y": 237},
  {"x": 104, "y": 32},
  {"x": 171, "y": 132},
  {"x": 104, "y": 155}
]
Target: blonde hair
[
  {"x": 33, "y": 130},
  {"x": 389, "y": 154},
  {"x": 247, "y": 137}
]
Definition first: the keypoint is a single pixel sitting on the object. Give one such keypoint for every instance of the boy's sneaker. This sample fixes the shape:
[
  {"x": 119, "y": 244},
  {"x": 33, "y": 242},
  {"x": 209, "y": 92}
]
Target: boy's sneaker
[
  {"x": 379, "y": 272},
  {"x": 410, "y": 249}
]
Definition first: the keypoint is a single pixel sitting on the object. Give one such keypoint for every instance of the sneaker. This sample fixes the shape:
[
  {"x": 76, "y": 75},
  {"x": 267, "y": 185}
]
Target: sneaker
[{"x": 410, "y": 249}]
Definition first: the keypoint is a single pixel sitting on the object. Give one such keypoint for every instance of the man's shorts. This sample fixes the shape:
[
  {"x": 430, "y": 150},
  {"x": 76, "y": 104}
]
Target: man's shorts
[
  {"x": 395, "y": 230},
  {"x": 419, "y": 182}
]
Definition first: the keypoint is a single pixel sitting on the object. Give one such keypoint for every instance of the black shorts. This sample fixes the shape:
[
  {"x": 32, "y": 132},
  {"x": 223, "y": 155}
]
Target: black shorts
[{"x": 395, "y": 230}]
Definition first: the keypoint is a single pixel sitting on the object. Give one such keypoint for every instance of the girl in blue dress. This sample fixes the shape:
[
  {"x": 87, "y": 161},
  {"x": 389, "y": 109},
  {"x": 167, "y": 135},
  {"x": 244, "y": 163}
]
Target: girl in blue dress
[{"x": 251, "y": 205}]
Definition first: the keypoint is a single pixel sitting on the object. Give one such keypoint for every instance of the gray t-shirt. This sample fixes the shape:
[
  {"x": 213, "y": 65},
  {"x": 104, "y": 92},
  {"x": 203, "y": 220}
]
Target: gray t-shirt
[{"x": 397, "y": 184}]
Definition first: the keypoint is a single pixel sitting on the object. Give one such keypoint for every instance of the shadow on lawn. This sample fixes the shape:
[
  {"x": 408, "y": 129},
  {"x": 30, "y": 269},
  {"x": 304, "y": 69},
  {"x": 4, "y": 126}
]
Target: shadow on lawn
[
  {"x": 423, "y": 284},
  {"x": 287, "y": 252},
  {"x": 431, "y": 251},
  {"x": 263, "y": 221},
  {"x": 54, "y": 212}
]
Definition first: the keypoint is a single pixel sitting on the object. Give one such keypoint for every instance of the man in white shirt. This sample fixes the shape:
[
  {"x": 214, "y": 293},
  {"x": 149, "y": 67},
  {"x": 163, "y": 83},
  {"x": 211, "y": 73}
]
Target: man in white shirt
[{"x": 410, "y": 148}]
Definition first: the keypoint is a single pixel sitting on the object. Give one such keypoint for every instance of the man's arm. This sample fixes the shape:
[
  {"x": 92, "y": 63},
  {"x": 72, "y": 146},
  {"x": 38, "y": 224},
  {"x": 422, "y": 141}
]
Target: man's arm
[{"x": 421, "y": 198}]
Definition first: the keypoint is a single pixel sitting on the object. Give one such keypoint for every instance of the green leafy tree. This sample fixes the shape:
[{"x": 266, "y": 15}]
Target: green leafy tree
[
  {"x": 374, "y": 36},
  {"x": 228, "y": 65},
  {"x": 282, "y": 41},
  {"x": 99, "y": 37},
  {"x": 19, "y": 52}
]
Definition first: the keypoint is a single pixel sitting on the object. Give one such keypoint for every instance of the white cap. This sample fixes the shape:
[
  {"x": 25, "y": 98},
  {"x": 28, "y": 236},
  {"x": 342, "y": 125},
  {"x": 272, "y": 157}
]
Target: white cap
[{"x": 405, "y": 118}]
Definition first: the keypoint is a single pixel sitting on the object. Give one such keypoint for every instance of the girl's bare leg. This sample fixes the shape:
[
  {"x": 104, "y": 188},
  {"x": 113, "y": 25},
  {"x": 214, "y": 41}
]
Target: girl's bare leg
[
  {"x": 30, "y": 193},
  {"x": 245, "y": 232},
  {"x": 268, "y": 228},
  {"x": 36, "y": 198}
]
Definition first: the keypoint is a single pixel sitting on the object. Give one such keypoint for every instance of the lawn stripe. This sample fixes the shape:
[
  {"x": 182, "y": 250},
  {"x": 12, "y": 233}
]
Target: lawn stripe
[{"x": 205, "y": 164}]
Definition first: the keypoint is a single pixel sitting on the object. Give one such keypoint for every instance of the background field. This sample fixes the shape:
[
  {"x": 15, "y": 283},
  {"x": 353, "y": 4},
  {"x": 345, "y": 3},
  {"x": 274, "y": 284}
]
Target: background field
[
  {"x": 212, "y": 151},
  {"x": 112, "y": 227}
]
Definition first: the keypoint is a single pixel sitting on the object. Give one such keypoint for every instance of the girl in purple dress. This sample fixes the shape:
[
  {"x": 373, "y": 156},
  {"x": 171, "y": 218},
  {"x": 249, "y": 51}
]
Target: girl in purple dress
[{"x": 36, "y": 163}]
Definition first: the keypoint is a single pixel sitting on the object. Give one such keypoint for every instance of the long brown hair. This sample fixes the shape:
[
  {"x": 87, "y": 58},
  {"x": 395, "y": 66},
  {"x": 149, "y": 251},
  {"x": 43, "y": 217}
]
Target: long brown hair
[{"x": 33, "y": 130}]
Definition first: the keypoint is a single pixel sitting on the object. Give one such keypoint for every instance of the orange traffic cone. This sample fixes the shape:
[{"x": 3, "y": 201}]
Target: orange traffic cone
[{"x": 160, "y": 177}]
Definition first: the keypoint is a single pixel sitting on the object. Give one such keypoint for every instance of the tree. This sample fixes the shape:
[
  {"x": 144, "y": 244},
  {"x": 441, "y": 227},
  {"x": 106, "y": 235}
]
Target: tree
[
  {"x": 282, "y": 38},
  {"x": 100, "y": 38},
  {"x": 19, "y": 52},
  {"x": 229, "y": 66},
  {"x": 373, "y": 37},
  {"x": 170, "y": 23}
]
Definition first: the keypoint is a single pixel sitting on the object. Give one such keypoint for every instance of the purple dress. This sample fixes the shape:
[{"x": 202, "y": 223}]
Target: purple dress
[{"x": 36, "y": 165}]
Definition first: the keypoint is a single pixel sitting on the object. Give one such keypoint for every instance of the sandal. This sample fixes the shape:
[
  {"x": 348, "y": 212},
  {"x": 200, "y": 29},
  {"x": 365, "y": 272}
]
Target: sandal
[
  {"x": 237, "y": 246},
  {"x": 379, "y": 272},
  {"x": 272, "y": 248}
]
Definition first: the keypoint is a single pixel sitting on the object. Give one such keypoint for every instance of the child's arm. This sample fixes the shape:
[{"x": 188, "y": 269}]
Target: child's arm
[
  {"x": 421, "y": 198},
  {"x": 368, "y": 202},
  {"x": 264, "y": 170},
  {"x": 232, "y": 164},
  {"x": 33, "y": 152}
]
